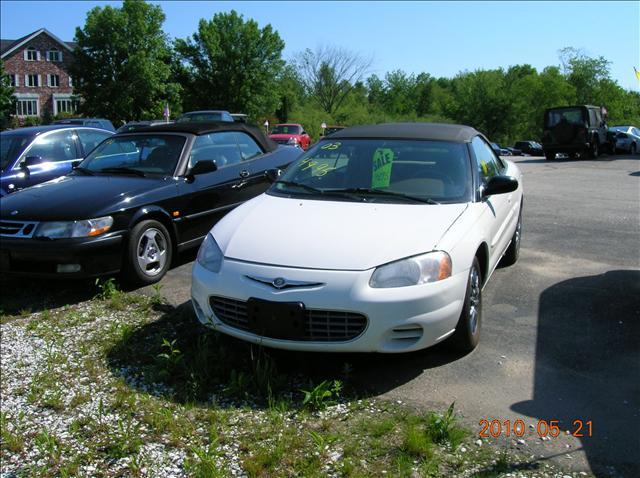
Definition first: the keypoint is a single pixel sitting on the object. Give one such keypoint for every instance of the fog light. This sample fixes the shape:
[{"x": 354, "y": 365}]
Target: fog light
[{"x": 67, "y": 268}]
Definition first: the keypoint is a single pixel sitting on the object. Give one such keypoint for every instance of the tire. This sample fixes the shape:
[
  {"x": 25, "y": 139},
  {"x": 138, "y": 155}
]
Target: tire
[
  {"x": 632, "y": 149},
  {"x": 512, "y": 253},
  {"x": 549, "y": 156},
  {"x": 594, "y": 150},
  {"x": 148, "y": 253},
  {"x": 467, "y": 334}
]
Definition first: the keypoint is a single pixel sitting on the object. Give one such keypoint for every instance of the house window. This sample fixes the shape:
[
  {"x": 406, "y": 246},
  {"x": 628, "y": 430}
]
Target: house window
[
  {"x": 32, "y": 54},
  {"x": 32, "y": 80},
  {"x": 70, "y": 80},
  {"x": 13, "y": 80},
  {"x": 66, "y": 106},
  {"x": 27, "y": 107},
  {"x": 54, "y": 55},
  {"x": 54, "y": 80}
]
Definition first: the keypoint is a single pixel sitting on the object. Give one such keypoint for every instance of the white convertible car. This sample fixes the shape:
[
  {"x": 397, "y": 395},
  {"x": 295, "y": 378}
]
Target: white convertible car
[{"x": 378, "y": 239}]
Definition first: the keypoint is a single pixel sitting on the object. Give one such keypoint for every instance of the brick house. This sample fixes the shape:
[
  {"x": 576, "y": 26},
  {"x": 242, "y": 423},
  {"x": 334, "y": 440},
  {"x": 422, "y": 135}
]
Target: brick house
[{"x": 38, "y": 68}]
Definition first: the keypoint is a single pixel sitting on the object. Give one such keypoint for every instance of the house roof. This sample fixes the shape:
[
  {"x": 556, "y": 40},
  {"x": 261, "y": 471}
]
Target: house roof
[
  {"x": 9, "y": 46},
  {"x": 428, "y": 131}
]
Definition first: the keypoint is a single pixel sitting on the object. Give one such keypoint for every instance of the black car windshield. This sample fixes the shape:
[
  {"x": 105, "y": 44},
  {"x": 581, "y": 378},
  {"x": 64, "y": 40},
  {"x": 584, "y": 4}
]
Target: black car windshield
[
  {"x": 136, "y": 154},
  {"x": 286, "y": 129},
  {"x": 380, "y": 170},
  {"x": 11, "y": 145},
  {"x": 564, "y": 115}
]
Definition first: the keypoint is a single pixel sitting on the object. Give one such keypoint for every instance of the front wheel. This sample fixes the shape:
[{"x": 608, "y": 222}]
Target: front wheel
[
  {"x": 632, "y": 149},
  {"x": 148, "y": 254},
  {"x": 512, "y": 253},
  {"x": 594, "y": 150},
  {"x": 467, "y": 334}
]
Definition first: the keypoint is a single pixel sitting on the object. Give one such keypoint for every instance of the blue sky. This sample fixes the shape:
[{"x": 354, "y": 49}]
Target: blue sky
[{"x": 441, "y": 38}]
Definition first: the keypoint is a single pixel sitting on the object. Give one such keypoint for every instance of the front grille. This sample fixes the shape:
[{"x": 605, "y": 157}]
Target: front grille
[
  {"x": 17, "y": 228},
  {"x": 319, "y": 325}
]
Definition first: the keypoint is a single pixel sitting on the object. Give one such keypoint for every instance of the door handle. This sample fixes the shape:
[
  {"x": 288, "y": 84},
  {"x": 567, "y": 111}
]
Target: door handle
[
  {"x": 244, "y": 173},
  {"x": 239, "y": 185}
]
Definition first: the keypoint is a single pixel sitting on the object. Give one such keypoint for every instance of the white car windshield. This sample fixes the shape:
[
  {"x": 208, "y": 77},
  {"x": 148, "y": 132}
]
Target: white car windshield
[{"x": 381, "y": 170}]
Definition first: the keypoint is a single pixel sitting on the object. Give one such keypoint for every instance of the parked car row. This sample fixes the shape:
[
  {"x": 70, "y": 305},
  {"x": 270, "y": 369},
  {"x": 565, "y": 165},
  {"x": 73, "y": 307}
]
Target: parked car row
[{"x": 290, "y": 267}]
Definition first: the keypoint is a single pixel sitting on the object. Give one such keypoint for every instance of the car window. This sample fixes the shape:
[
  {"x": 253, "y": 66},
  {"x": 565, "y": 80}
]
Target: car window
[
  {"x": 248, "y": 147},
  {"x": 286, "y": 129},
  {"x": 635, "y": 131},
  {"x": 354, "y": 169},
  {"x": 564, "y": 115},
  {"x": 220, "y": 147},
  {"x": 11, "y": 145},
  {"x": 489, "y": 165},
  {"x": 147, "y": 153},
  {"x": 54, "y": 147},
  {"x": 90, "y": 139}
]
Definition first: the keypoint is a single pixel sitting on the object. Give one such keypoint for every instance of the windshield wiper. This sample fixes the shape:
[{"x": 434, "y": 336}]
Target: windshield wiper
[
  {"x": 301, "y": 186},
  {"x": 137, "y": 172},
  {"x": 82, "y": 170},
  {"x": 381, "y": 192}
]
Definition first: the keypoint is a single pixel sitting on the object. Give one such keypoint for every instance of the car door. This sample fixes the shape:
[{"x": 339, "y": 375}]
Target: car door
[
  {"x": 205, "y": 198},
  {"x": 57, "y": 151},
  {"x": 90, "y": 138},
  {"x": 498, "y": 208}
]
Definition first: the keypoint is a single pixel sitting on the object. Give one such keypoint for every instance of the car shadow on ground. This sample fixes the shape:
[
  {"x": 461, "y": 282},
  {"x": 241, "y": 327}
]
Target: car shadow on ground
[
  {"x": 178, "y": 359},
  {"x": 587, "y": 367},
  {"x": 23, "y": 295}
]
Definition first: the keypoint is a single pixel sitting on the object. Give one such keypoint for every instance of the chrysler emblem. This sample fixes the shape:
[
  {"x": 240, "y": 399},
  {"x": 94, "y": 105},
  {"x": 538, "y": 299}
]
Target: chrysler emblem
[
  {"x": 279, "y": 282},
  {"x": 13, "y": 213}
]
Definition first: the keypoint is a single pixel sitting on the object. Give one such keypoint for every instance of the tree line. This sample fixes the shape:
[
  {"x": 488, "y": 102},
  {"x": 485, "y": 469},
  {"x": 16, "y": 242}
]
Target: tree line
[{"x": 127, "y": 68}]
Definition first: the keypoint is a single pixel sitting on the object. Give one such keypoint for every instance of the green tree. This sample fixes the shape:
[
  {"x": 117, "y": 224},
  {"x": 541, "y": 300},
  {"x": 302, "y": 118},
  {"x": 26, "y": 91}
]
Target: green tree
[
  {"x": 231, "y": 64},
  {"x": 329, "y": 74},
  {"x": 584, "y": 73},
  {"x": 7, "y": 100},
  {"x": 122, "y": 63}
]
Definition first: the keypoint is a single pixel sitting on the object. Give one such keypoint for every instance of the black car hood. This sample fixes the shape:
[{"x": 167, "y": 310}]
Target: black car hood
[{"x": 84, "y": 197}]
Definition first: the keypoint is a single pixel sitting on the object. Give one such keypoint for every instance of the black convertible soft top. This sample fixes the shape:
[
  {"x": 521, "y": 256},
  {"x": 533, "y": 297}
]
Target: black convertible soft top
[
  {"x": 266, "y": 143},
  {"x": 427, "y": 131}
]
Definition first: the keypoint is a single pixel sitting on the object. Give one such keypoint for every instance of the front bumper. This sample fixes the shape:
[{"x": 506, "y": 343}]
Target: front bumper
[
  {"x": 399, "y": 319},
  {"x": 566, "y": 148},
  {"x": 95, "y": 256}
]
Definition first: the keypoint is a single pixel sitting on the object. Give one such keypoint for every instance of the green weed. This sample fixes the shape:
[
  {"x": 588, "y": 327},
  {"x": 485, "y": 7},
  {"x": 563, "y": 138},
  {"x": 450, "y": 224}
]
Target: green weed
[{"x": 322, "y": 395}]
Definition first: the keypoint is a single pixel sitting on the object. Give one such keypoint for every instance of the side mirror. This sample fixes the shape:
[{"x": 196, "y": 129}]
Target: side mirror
[
  {"x": 273, "y": 175},
  {"x": 75, "y": 164},
  {"x": 32, "y": 161},
  {"x": 202, "y": 167},
  {"x": 500, "y": 185}
]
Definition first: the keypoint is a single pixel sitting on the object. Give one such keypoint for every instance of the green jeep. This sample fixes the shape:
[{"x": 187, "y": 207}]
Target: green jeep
[{"x": 575, "y": 131}]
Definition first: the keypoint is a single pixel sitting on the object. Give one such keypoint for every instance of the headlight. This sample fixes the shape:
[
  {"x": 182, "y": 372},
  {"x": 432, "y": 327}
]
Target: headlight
[
  {"x": 292, "y": 140},
  {"x": 210, "y": 255},
  {"x": 66, "y": 229},
  {"x": 430, "y": 267}
]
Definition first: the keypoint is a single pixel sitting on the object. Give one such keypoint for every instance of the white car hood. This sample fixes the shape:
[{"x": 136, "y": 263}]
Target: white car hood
[{"x": 337, "y": 235}]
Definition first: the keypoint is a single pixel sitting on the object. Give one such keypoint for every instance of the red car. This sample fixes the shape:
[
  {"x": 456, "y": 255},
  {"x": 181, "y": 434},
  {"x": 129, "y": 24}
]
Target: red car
[{"x": 292, "y": 134}]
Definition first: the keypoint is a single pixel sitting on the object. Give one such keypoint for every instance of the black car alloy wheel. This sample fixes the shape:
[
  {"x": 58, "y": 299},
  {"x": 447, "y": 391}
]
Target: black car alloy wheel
[{"x": 149, "y": 253}]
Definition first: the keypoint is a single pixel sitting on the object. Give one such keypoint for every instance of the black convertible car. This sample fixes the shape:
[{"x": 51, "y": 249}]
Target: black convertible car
[{"x": 137, "y": 200}]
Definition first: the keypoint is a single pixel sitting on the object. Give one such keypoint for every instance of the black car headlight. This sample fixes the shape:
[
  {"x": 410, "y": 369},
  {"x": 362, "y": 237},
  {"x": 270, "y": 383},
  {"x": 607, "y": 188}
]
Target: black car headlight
[{"x": 68, "y": 229}]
